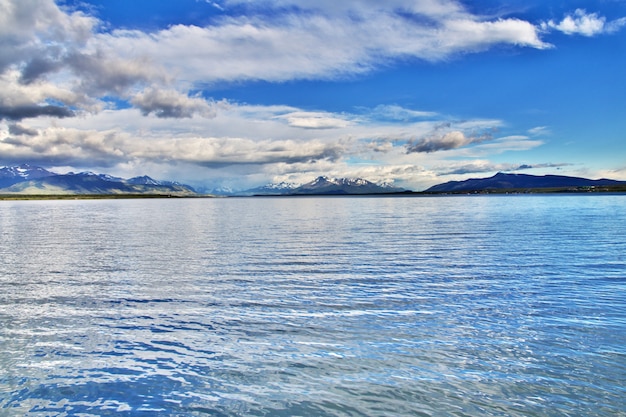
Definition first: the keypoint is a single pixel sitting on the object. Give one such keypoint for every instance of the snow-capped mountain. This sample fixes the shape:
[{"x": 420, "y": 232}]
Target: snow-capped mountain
[
  {"x": 13, "y": 175},
  {"x": 280, "y": 188},
  {"x": 27, "y": 179},
  {"x": 326, "y": 186}
]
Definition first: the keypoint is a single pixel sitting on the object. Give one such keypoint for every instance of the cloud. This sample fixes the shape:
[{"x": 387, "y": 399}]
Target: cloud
[
  {"x": 49, "y": 62},
  {"x": 482, "y": 166},
  {"x": 319, "y": 40},
  {"x": 542, "y": 165},
  {"x": 36, "y": 68},
  {"x": 539, "y": 131},
  {"x": 244, "y": 145},
  {"x": 19, "y": 101},
  {"x": 38, "y": 28},
  {"x": 442, "y": 139},
  {"x": 399, "y": 113},
  {"x": 27, "y": 111},
  {"x": 89, "y": 147},
  {"x": 314, "y": 120},
  {"x": 583, "y": 23},
  {"x": 17, "y": 129},
  {"x": 103, "y": 73},
  {"x": 68, "y": 147},
  {"x": 61, "y": 61},
  {"x": 171, "y": 104}
]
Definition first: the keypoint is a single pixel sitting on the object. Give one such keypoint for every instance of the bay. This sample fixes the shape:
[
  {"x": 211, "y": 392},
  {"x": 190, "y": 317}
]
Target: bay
[{"x": 329, "y": 306}]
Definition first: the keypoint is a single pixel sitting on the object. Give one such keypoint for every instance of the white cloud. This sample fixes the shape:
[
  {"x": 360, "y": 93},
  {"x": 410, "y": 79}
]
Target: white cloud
[
  {"x": 50, "y": 66},
  {"x": 57, "y": 63},
  {"x": 38, "y": 28},
  {"x": 586, "y": 24},
  {"x": 75, "y": 147},
  {"x": 327, "y": 40},
  {"x": 314, "y": 120},
  {"x": 445, "y": 137},
  {"x": 503, "y": 144},
  {"x": 398, "y": 113},
  {"x": 539, "y": 131}
]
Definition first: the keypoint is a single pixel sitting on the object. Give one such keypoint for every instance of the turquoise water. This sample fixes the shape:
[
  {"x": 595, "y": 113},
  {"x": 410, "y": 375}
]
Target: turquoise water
[{"x": 343, "y": 306}]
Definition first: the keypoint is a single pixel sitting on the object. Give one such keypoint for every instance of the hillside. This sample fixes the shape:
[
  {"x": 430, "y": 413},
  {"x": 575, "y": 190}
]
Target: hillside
[{"x": 517, "y": 182}]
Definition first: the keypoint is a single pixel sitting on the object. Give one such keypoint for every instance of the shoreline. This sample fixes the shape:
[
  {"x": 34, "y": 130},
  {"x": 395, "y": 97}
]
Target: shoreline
[{"x": 618, "y": 190}]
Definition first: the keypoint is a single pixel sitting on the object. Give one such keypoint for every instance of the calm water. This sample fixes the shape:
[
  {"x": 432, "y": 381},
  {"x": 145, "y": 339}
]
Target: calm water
[{"x": 433, "y": 306}]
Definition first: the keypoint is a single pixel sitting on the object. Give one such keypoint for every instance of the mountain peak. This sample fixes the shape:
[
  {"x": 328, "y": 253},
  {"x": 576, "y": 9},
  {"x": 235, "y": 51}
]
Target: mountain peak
[
  {"x": 321, "y": 180},
  {"x": 24, "y": 172},
  {"x": 144, "y": 180}
]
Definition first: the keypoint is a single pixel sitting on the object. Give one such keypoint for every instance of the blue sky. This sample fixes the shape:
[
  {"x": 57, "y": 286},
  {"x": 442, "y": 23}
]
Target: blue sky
[{"x": 240, "y": 93}]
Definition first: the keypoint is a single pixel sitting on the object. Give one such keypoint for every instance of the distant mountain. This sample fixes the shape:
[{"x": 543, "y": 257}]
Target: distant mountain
[
  {"x": 281, "y": 188},
  {"x": 326, "y": 186},
  {"x": 24, "y": 172},
  {"x": 502, "y": 181},
  {"x": 27, "y": 179}
]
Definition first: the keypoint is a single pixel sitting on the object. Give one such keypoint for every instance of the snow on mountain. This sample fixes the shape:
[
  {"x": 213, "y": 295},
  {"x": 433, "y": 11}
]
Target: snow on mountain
[
  {"x": 271, "y": 189},
  {"x": 13, "y": 175},
  {"x": 26, "y": 179},
  {"x": 282, "y": 186},
  {"x": 325, "y": 185},
  {"x": 108, "y": 177}
]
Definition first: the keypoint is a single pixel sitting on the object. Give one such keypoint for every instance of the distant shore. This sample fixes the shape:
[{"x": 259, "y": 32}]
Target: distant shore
[
  {"x": 562, "y": 190},
  {"x": 93, "y": 196}
]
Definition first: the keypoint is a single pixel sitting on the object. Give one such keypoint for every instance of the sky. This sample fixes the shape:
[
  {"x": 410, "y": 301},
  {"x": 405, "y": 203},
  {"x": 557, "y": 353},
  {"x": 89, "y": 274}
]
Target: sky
[{"x": 236, "y": 94}]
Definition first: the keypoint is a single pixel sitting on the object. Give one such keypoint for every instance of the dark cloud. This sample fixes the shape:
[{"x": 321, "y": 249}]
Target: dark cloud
[
  {"x": 473, "y": 169},
  {"x": 166, "y": 110},
  {"x": 19, "y": 130},
  {"x": 171, "y": 104},
  {"x": 545, "y": 165},
  {"x": 27, "y": 111},
  {"x": 100, "y": 73},
  {"x": 38, "y": 67},
  {"x": 330, "y": 154}
]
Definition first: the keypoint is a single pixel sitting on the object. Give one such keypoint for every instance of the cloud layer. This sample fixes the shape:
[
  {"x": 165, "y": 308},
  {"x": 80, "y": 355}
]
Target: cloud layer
[
  {"x": 43, "y": 46},
  {"x": 321, "y": 40}
]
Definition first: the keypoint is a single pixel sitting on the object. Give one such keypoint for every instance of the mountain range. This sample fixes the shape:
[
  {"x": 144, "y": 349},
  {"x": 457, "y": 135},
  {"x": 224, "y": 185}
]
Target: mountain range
[
  {"x": 502, "y": 181},
  {"x": 32, "y": 180},
  {"x": 325, "y": 186}
]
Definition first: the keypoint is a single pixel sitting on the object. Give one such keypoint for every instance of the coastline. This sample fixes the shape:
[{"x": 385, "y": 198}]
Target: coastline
[{"x": 618, "y": 190}]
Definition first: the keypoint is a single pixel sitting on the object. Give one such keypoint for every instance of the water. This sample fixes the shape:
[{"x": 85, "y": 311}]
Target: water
[{"x": 362, "y": 306}]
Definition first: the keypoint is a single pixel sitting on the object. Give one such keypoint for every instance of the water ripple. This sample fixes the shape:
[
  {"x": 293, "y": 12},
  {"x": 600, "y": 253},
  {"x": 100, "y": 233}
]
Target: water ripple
[{"x": 314, "y": 306}]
